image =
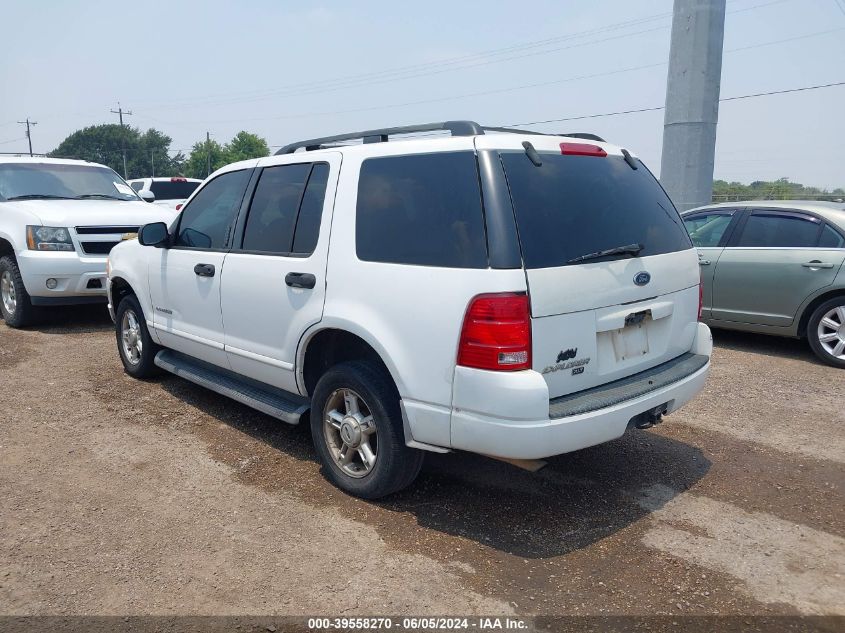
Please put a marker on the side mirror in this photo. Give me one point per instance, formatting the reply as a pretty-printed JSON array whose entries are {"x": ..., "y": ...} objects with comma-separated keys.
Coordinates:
[
  {"x": 147, "y": 195},
  {"x": 153, "y": 234}
]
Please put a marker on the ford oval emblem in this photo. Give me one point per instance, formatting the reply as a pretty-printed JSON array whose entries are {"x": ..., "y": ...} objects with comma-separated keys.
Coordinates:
[{"x": 642, "y": 278}]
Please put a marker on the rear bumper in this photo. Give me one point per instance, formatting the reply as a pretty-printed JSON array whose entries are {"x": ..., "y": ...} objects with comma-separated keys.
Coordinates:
[
  {"x": 73, "y": 275},
  {"x": 566, "y": 424}
]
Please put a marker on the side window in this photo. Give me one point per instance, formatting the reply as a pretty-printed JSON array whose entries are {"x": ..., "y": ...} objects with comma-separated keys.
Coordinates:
[
  {"x": 137, "y": 186},
  {"x": 311, "y": 211},
  {"x": 707, "y": 229},
  {"x": 205, "y": 221},
  {"x": 831, "y": 239},
  {"x": 422, "y": 209},
  {"x": 272, "y": 213},
  {"x": 775, "y": 230}
]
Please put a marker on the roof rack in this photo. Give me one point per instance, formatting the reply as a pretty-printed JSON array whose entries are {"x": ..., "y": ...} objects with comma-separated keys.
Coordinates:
[
  {"x": 456, "y": 128},
  {"x": 381, "y": 135}
]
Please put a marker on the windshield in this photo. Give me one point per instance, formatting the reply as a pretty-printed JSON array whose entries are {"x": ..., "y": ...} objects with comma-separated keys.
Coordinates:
[
  {"x": 50, "y": 180},
  {"x": 573, "y": 206},
  {"x": 173, "y": 189}
]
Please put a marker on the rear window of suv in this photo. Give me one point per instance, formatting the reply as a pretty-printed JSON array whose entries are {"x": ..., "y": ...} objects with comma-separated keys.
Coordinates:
[
  {"x": 421, "y": 209},
  {"x": 571, "y": 206},
  {"x": 173, "y": 190}
]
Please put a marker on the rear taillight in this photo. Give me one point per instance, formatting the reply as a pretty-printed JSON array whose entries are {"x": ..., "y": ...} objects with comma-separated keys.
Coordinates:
[
  {"x": 581, "y": 149},
  {"x": 179, "y": 207},
  {"x": 700, "y": 297},
  {"x": 496, "y": 333}
]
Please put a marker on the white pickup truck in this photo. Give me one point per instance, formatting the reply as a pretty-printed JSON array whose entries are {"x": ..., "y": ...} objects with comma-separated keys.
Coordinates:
[
  {"x": 518, "y": 295},
  {"x": 58, "y": 221}
]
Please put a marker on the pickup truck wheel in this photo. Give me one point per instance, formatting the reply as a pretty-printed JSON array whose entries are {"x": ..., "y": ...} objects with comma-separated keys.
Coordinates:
[
  {"x": 136, "y": 348},
  {"x": 15, "y": 305},
  {"x": 357, "y": 429},
  {"x": 826, "y": 332}
]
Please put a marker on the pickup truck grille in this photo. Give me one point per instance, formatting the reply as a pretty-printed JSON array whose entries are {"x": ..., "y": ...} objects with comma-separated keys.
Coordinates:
[{"x": 102, "y": 247}]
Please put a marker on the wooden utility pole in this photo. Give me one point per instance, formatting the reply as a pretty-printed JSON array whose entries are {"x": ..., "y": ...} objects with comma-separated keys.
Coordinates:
[
  {"x": 120, "y": 112},
  {"x": 28, "y": 133}
]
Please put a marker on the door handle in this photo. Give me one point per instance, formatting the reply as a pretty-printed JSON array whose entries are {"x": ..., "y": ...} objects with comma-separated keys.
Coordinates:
[
  {"x": 204, "y": 270},
  {"x": 300, "y": 280},
  {"x": 703, "y": 262},
  {"x": 817, "y": 264}
]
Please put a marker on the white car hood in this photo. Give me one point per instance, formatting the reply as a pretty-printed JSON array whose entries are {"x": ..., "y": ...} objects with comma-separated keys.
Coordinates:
[{"x": 95, "y": 212}]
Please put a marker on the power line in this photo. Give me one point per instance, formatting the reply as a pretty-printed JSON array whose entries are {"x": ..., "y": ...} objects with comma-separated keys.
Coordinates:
[{"x": 736, "y": 98}]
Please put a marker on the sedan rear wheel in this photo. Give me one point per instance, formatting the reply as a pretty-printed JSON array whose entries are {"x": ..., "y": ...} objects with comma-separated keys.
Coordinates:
[{"x": 826, "y": 332}]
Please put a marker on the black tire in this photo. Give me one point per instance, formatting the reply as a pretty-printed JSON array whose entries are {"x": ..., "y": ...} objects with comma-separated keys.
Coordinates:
[
  {"x": 395, "y": 465},
  {"x": 23, "y": 313},
  {"x": 813, "y": 330},
  {"x": 143, "y": 366}
]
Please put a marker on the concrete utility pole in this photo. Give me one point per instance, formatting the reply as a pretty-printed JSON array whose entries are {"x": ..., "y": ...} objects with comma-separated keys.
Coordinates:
[
  {"x": 28, "y": 134},
  {"x": 120, "y": 112},
  {"x": 692, "y": 101}
]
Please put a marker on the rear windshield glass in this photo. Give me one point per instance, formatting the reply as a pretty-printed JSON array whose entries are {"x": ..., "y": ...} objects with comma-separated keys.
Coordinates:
[
  {"x": 576, "y": 205},
  {"x": 173, "y": 190}
]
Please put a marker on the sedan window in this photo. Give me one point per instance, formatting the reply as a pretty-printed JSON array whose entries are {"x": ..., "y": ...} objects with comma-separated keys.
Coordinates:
[
  {"x": 775, "y": 230},
  {"x": 707, "y": 229}
]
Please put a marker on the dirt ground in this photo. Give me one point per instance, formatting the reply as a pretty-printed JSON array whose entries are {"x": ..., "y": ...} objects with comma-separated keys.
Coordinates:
[{"x": 127, "y": 497}]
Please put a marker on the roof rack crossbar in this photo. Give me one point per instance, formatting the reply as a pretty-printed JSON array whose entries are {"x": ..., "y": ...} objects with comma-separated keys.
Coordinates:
[{"x": 456, "y": 128}]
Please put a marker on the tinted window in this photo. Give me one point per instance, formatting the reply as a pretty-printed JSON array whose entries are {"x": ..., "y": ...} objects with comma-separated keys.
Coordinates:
[
  {"x": 831, "y": 239},
  {"x": 138, "y": 185},
  {"x": 205, "y": 221},
  {"x": 707, "y": 229},
  {"x": 779, "y": 231},
  {"x": 421, "y": 209},
  {"x": 173, "y": 190},
  {"x": 311, "y": 210},
  {"x": 272, "y": 214},
  {"x": 575, "y": 205}
]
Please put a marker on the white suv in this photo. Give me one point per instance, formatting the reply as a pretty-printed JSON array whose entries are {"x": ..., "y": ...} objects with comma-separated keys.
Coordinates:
[
  {"x": 515, "y": 295},
  {"x": 58, "y": 221},
  {"x": 168, "y": 192}
]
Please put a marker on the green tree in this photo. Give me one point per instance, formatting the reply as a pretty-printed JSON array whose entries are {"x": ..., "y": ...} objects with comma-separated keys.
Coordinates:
[
  {"x": 196, "y": 166},
  {"x": 246, "y": 145},
  {"x": 105, "y": 144},
  {"x": 243, "y": 146}
]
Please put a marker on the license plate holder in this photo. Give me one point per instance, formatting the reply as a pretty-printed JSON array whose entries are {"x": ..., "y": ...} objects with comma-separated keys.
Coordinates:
[{"x": 631, "y": 341}]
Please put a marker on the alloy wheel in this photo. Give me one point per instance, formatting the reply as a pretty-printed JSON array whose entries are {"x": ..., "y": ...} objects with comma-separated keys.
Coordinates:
[
  {"x": 350, "y": 433},
  {"x": 831, "y": 332},
  {"x": 7, "y": 292},
  {"x": 130, "y": 336}
]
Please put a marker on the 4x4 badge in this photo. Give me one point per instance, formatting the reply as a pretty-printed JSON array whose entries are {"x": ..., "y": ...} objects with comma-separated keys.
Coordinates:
[
  {"x": 566, "y": 355},
  {"x": 642, "y": 278}
]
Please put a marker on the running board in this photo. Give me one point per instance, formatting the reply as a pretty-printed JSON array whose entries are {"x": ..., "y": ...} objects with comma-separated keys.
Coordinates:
[{"x": 277, "y": 403}]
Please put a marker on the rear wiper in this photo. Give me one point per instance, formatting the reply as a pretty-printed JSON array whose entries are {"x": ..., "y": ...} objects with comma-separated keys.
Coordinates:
[
  {"x": 104, "y": 196},
  {"x": 39, "y": 196},
  {"x": 630, "y": 249}
]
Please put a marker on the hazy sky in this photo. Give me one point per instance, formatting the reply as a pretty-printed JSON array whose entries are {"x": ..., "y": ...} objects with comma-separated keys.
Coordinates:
[{"x": 292, "y": 70}]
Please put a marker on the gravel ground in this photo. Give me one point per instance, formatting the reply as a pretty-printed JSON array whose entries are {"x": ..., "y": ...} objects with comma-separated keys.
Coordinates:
[{"x": 122, "y": 497}]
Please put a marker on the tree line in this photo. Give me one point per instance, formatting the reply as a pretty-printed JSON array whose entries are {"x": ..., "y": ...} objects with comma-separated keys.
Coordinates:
[
  {"x": 780, "y": 189},
  {"x": 149, "y": 154}
]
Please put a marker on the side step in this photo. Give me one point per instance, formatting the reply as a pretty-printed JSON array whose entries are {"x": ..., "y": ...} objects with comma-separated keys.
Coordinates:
[{"x": 277, "y": 403}]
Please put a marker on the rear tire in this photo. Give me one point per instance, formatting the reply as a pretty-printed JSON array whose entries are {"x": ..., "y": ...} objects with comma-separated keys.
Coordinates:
[
  {"x": 134, "y": 344},
  {"x": 356, "y": 425},
  {"x": 15, "y": 304},
  {"x": 826, "y": 332}
]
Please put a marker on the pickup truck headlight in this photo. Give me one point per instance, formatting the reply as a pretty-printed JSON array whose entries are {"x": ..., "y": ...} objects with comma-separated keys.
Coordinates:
[{"x": 48, "y": 238}]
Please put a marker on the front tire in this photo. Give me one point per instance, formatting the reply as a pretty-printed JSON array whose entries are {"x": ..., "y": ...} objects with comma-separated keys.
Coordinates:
[
  {"x": 15, "y": 304},
  {"x": 356, "y": 425},
  {"x": 826, "y": 332},
  {"x": 134, "y": 344}
]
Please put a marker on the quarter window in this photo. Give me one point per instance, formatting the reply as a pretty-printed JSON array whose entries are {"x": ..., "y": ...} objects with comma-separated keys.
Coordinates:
[
  {"x": 831, "y": 239},
  {"x": 775, "y": 230},
  {"x": 206, "y": 220},
  {"x": 422, "y": 209},
  {"x": 707, "y": 229}
]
